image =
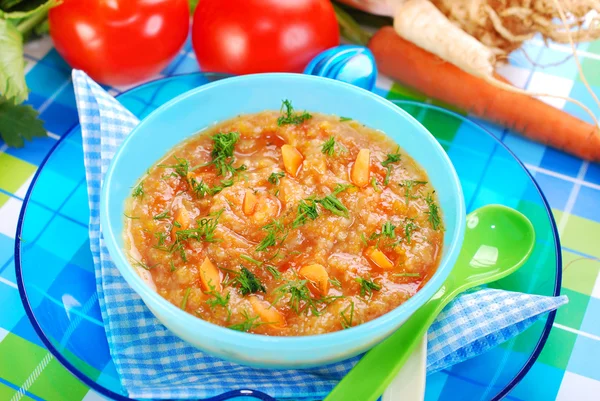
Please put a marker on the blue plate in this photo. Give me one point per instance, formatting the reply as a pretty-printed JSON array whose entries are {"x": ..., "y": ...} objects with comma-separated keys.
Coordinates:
[{"x": 56, "y": 281}]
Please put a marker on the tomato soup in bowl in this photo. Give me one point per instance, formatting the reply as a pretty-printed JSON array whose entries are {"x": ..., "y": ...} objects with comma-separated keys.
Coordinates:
[{"x": 282, "y": 237}]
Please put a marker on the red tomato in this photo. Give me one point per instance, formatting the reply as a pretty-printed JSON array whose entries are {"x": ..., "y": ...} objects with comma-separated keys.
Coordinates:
[
  {"x": 250, "y": 36},
  {"x": 119, "y": 42}
]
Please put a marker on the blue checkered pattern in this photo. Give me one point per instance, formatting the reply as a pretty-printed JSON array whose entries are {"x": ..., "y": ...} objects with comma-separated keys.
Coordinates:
[{"x": 153, "y": 363}]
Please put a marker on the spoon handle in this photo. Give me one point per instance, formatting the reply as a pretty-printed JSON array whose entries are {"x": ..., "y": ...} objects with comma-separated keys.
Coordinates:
[{"x": 378, "y": 367}]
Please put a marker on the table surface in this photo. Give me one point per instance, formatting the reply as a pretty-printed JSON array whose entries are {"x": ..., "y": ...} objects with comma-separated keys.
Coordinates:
[{"x": 569, "y": 365}]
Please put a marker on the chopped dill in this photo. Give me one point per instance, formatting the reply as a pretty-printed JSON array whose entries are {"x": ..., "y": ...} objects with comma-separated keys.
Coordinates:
[
  {"x": 347, "y": 320},
  {"x": 161, "y": 238},
  {"x": 275, "y": 177},
  {"x": 387, "y": 163},
  {"x": 185, "y": 298},
  {"x": 251, "y": 260},
  {"x": 248, "y": 324},
  {"x": 367, "y": 286},
  {"x": 363, "y": 239},
  {"x": 141, "y": 264},
  {"x": 307, "y": 209},
  {"x": 342, "y": 119},
  {"x": 182, "y": 167},
  {"x": 172, "y": 266},
  {"x": 406, "y": 275},
  {"x": 300, "y": 297},
  {"x": 138, "y": 191},
  {"x": 375, "y": 185},
  {"x": 218, "y": 298},
  {"x": 409, "y": 228},
  {"x": 328, "y": 147},
  {"x": 276, "y": 233},
  {"x": 274, "y": 272},
  {"x": 162, "y": 216},
  {"x": 247, "y": 282},
  {"x": 199, "y": 187},
  {"x": 222, "y": 153},
  {"x": 131, "y": 217},
  {"x": 408, "y": 188},
  {"x": 387, "y": 230},
  {"x": 335, "y": 282},
  {"x": 332, "y": 203},
  {"x": 433, "y": 212},
  {"x": 289, "y": 117}
]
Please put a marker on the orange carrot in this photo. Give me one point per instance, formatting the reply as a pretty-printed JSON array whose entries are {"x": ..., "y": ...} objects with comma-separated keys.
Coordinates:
[{"x": 425, "y": 72}]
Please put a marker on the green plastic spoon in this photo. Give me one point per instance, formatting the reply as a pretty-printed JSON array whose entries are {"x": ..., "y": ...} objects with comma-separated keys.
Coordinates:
[{"x": 498, "y": 240}]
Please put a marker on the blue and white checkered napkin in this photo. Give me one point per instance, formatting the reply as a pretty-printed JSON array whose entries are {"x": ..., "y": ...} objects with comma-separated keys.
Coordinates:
[{"x": 153, "y": 363}]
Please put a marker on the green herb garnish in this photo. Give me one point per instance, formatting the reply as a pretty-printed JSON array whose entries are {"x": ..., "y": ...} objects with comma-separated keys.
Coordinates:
[
  {"x": 408, "y": 229},
  {"x": 222, "y": 153},
  {"x": 162, "y": 216},
  {"x": 199, "y": 188},
  {"x": 433, "y": 212},
  {"x": 275, "y": 177},
  {"x": 342, "y": 119},
  {"x": 251, "y": 260},
  {"x": 161, "y": 237},
  {"x": 247, "y": 282},
  {"x": 138, "y": 191},
  {"x": 347, "y": 320},
  {"x": 335, "y": 282},
  {"x": 289, "y": 117},
  {"x": 367, "y": 286},
  {"x": 141, "y": 264},
  {"x": 300, "y": 297},
  {"x": 182, "y": 167},
  {"x": 375, "y": 185},
  {"x": 328, "y": 147},
  {"x": 408, "y": 187},
  {"x": 276, "y": 233},
  {"x": 391, "y": 158},
  {"x": 274, "y": 272},
  {"x": 363, "y": 239},
  {"x": 406, "y": 275},
  {"x": 218, "y": 299},
  {"x": 185, "y": 298},
  {"x": 130, "y": 217},
  {"x": 387, "y": 230},
  {"x": 248, "y": 324},
  {"x": 172, "y": 265},
  {"x": 307, "y": 209},
  {"x": 332, "y": 203}
]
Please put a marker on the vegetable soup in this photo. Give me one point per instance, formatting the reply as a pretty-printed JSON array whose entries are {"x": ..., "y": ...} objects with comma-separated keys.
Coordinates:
[{"x": 285, "y": 223}]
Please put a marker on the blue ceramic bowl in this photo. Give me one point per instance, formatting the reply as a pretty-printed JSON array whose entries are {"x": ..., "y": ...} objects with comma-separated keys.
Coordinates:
[{"x": 198, "y": 109}]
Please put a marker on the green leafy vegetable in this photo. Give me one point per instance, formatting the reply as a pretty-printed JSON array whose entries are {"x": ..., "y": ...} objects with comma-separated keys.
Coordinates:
[
  {"x": 12, "y": 64},
  {"x": 289, "y": 117},
  {"x": 18, "y": 122}
]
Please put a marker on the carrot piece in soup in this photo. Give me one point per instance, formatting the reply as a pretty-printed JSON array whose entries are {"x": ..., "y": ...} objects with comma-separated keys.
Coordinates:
[
  {"x": 210, "y": 277},
  {"x": 359, "y": 174},
  {"x": 292, "y": 159}
]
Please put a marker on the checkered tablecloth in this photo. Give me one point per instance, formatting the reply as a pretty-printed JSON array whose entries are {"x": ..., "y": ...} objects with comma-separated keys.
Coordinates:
[{"x": 568, "y": 367}]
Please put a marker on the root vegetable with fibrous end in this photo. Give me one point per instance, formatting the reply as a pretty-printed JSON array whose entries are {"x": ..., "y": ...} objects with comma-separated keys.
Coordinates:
[{"x": 436, "y": 78}]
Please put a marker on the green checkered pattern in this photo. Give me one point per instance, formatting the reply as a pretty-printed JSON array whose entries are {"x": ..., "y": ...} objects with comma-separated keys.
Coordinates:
[{"x": 569, "y": 365}]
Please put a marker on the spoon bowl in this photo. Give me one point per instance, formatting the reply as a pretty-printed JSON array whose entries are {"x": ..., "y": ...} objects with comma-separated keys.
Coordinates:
[
  {"x": 498, "y": 240},
  {"x": 347, "y": 63}
]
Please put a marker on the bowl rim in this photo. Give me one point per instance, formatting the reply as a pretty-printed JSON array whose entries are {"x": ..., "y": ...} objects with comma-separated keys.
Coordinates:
[
  {"x": 533, "y": 356},
  {"x": 225, "y": 335}
]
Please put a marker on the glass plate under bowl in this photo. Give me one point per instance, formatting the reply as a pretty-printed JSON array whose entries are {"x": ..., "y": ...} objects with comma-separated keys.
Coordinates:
[{"x": 55, "y": 273}]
